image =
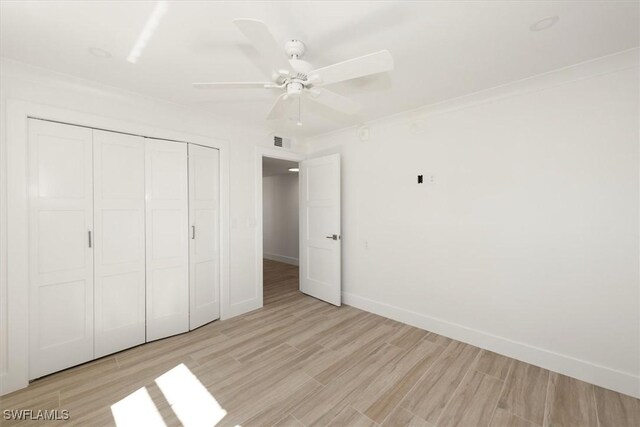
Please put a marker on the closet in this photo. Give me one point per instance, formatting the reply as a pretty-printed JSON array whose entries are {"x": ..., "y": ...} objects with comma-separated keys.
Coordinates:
[{"x": 123, "y": 242}]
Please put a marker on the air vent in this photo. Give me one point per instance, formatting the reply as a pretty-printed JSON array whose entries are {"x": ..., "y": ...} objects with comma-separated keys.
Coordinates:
[{"x": 281, "y": 141}]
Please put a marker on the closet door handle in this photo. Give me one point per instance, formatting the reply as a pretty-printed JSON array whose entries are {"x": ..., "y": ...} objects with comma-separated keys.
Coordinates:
[
  {"x": 90, "y": 243},
  {"x": 193, "y": 232}
]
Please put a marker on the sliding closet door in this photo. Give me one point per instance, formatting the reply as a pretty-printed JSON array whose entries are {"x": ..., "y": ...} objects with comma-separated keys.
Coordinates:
[
  {"x": 61, "y": 259},
  {"x": 167, "y": 224},
  {"x": 204, "y": 245},
  {"x": 119, "y": 241}
]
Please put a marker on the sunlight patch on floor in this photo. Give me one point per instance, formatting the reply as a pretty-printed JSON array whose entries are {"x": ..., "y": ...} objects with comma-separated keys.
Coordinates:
[
  {"x": 137, "y": 409},
  {"x": 189, "y": 399}
]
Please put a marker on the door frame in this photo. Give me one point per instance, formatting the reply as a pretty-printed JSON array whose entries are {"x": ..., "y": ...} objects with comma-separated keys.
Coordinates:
[
  {"x": 16, "y": 357},
  {"x": 273, "y": 153}
]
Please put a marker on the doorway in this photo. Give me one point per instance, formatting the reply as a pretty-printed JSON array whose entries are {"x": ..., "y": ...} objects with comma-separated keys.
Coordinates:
[{"x": 280, "y": 229}]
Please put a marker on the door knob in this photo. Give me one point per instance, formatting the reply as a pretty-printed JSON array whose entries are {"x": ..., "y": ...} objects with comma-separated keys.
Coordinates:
[{"x": 333, "y": 237}]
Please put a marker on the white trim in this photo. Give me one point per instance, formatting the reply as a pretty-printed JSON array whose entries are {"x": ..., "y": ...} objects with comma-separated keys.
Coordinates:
[
  {"x": 17, "y": 236},
  {"x": 281, "y": 258},
  {"x": 274, "y": 153},
  {"x": 622, "y": 382}
]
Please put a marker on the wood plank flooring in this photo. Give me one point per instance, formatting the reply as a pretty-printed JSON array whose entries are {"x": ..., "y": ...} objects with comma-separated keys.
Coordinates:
[{"x": 300, "y": 362}]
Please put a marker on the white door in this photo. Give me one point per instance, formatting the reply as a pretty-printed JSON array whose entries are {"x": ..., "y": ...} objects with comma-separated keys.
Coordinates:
[
  {"x": 204, "y": 243},
  {"x": 320, "y": 228},
  {"x": 167, "y": 249},
  {"x": 119, "y": 241},
  {"x": 61, "y": 257}
]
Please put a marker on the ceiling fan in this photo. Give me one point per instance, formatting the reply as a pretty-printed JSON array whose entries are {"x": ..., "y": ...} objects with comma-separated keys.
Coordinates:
[{"x": 299, "y": 79}]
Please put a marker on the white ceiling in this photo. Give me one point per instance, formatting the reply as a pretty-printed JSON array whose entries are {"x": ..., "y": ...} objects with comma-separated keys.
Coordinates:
[
  {"x": 442, "y": 50},
  {"x": 271, "y": 167}
]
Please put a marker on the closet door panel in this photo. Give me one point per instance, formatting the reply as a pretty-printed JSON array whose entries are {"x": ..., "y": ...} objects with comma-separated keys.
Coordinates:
[
  {"x": 61, "y": 259},
  {"x": 204, "y": 245},
  {"x": 167, "y": 250},
  {"x": 119, "y": 191}
]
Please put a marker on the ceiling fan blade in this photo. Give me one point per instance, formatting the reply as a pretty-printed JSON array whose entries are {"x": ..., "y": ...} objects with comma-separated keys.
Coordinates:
[
  {"x": 333, "y": 100},
  {"x": 279, "y": 108},
  {"x": 373, "y": 63},
  {"x": 259, "y": 35},
  {"x": 234, "y": 85}
]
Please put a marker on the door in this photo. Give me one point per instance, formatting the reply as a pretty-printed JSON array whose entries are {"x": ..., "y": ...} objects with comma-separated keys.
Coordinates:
[
  {"x": 320, "y": 228},
  {"x": 204, "y": 242},
  {"x": 167, "y": 248},
  {"x": 60, "y": 247},
  {"x": 119, "y": 254}
]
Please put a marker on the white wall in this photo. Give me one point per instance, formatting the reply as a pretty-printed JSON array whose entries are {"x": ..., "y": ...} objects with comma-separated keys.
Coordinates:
[
  {"x": 280, "y": 218},
  {"x": 527, "y": 241},
  {"x": 34, "y": 85}
]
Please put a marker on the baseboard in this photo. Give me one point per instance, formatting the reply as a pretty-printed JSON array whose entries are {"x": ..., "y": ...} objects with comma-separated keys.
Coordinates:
[
  {"x": 281, "y": 258},
  {"x": 600, "y": 375}
]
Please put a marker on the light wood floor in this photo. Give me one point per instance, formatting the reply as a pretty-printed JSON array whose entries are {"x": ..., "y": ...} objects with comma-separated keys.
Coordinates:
[{"x": 299, "y": 361}]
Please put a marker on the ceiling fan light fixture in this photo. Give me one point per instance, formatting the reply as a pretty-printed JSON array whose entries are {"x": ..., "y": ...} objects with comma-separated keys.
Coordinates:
[{"x": 294, "y": 88}]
